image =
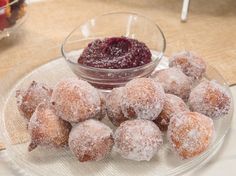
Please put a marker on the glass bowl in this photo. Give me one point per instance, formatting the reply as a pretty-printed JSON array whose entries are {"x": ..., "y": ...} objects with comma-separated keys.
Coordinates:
[
  {"x": 12, "y": 15},
  {"x": 119, "y": 24},
  {"x": 49, "y": 67}
]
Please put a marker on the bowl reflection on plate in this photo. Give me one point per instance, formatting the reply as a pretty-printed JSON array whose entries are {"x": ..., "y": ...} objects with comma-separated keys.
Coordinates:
[{"x": 113, "y": 25}]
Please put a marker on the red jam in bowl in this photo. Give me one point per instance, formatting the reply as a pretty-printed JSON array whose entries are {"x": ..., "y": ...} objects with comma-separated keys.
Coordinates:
[{"x": 115, "y": 53}]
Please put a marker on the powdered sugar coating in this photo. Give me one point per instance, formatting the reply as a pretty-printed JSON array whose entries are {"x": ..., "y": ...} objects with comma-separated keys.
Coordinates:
[
  {"x": 114, "y": 111},
  {"x": 174, "y": 81},
  {"x": 142, "y": 98},
  {"x": 29, "y": 99},
  {"x": 191, "y": 64},
  {"x": 190, "y": 133},
  {"x": 76, "y": 100},
  {"x": 210, "y": 98},
  {"x": 172, "y": 106},
  {"x": 47, "y": 129},
  {"x": 90, "y": 140},
  {"x": 138, "y": 139}
]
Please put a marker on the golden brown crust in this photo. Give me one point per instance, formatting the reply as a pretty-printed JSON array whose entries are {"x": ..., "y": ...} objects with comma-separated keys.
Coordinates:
[
  {"x": 90, "y": 140},
  {"x": 47, "y": 129},
  {"x": 190, "y": 133},
  {"x": 172, "y": 106},
  {"x": 29, "y": 99}
]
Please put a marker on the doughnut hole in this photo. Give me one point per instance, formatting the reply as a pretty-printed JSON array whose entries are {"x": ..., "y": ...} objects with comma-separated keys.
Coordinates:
[
  {"x": 91, "y": 140},
  {"x": 210, "y": 98},
  {"x": 47, "y": 129},
  {"x": 172, "y": 106},
  {"x": 191, "y": 64},
  {"x": 142, "y": 98},
  {"x": 174, "y": 81},
  {"x": 138, "y": 139},
  {"x": 76, "y": 100},
  {"x": 29, "y": 99},
  {"x": 190, "y": 134},
  {"x": 114, "y": 111}
]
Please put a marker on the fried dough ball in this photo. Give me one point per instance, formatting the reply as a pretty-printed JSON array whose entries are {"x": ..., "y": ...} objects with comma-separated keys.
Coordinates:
[
  {"x": 210, "y": 98},
  {"x": 190, "y": 134},
  {"x": 47, "y": 129},
  {"x": 114, "y": 111},
  {"x": 29, "y": 99},
  {"x": 191, "y": 64},
  {"x": 174, "y": 81},
  {"x": 172, "y": 106},
  {"x": 137, "y": 139},
  {"x": 91, "y": 140},
  {"x": 142, "y": 98},
  {"x": 76, "y": 100}
]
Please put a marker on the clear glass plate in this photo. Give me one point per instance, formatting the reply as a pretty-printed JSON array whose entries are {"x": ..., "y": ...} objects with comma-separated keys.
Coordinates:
[{"x": 44, "y": 161}]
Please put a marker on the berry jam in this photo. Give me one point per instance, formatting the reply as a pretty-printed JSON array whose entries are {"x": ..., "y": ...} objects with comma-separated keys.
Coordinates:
[{"x": 115, "y": 53}]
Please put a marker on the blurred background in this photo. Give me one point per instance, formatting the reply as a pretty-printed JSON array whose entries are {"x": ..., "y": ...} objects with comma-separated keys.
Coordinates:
[{"x": 210, "y": 29}]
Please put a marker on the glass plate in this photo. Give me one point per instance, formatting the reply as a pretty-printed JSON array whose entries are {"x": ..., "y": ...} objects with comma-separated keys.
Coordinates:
[{"x": 45, "y": 162}]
